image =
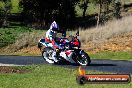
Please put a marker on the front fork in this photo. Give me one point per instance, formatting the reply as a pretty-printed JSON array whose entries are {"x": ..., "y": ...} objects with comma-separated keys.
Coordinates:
[
  {"x": 57, "y": 53},
  {"x": 81, "y": 51},
  {"x": 78, "y": 53}
]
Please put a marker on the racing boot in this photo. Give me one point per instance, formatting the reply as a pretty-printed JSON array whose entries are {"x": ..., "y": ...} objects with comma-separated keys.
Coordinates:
[{"x": 49, "y": 61}]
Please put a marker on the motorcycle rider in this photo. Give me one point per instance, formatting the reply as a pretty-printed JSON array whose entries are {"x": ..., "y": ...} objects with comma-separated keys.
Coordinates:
[{"x": 51, "y": 38}]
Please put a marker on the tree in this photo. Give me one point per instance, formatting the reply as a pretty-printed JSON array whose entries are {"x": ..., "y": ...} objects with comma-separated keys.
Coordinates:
[
  {"x": 67, "y": 13},
  {"x": 38, "y": 10},
  {"x": 83, "y": 5},
  {"x": 44, "y": 10},
  {"x": 103, "y": 12},
  {"x": 5, "y": 10},
  {"x": 117, "y": 7}
]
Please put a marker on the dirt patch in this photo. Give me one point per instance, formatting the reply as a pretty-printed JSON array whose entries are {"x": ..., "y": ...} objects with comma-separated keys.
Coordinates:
[
  {"x": 6, "y": 69},
  {"x": 122, "y": 42},
  {"x": 34, "y": 50}
]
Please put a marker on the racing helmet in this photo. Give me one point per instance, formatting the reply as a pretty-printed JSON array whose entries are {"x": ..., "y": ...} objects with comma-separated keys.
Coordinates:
[{"x": 54, "y": 26}]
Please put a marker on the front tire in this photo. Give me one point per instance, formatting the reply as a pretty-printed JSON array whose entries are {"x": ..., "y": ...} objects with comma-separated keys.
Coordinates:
[
  {"x": 47, "y": 54},
  {"x": 83, "y": 59}
]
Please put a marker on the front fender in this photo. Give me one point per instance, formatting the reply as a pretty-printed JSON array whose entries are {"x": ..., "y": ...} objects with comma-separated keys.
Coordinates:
[
  {"x": 79, "y": 51},
  {"x": 40, "y": 43}
]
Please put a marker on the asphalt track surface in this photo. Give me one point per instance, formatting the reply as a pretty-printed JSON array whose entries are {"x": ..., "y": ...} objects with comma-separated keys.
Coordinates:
[{"x": 114, "y": 66}]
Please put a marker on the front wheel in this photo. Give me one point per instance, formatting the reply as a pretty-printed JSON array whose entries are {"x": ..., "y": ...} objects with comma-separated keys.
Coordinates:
[
  {"x": 83, "y": 59},
  {"x": 47, "y": 54}
]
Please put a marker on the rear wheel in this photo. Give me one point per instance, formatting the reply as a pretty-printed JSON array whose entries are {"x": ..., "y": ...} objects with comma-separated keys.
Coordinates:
[{"x": 83, "y": 59}]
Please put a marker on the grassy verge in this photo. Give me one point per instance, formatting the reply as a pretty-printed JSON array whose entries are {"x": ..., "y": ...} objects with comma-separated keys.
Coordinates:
[
  {"x": 47, "y": 76},
  {"x": 113, "y": 55},
  {"x": 9, "y": 35}
]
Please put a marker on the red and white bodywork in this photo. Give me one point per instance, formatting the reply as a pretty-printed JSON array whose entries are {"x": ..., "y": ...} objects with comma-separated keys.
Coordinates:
[{"x": 71, "y": 52}]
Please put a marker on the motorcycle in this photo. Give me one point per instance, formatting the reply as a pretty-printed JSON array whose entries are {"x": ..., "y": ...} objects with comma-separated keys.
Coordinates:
[{"x": 71, "y": 52}]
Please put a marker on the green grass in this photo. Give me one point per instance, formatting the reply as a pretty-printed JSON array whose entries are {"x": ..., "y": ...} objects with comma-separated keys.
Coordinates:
[
  {"x": 122, "y": 55},
  {"x": 9, "y": 35},
  {"x": 47, "y": 76}
]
